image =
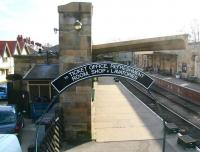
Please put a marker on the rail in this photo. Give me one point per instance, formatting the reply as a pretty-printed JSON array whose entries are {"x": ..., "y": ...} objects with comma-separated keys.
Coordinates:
[{"x": 165, "y": 112}]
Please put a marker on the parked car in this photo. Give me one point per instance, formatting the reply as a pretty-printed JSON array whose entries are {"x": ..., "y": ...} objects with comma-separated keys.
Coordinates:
[
  {"x": 3, "y": 96},
  {"x": 11, "y": 121},
  {"x": 9, "y": 143},
  {"x": 3, "y": 93}
]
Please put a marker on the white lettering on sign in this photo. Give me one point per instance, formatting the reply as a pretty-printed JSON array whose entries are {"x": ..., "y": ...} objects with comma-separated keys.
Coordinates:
[
  {"x": 78, "y": 73},
  {"x": 126, "y": 71},
  {"x": 101, "y": 69},
  {"x": 98, "y": 71},
  {"x": 79, "y": 76},
  {"x": 98, "y": 66}
]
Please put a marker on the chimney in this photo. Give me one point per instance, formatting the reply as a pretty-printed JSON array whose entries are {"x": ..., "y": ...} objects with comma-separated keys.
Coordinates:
[
  {"x": 19, "y": 38},
  {"x": 29, "y": 40}
]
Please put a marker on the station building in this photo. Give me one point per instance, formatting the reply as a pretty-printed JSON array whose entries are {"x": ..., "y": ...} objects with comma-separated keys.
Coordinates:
[
  {"x": 184, "y": 63},
  {"x": 75, "y": 48}
]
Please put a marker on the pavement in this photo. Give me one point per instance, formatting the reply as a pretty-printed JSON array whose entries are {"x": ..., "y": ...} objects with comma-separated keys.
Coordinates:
[
  {"x": 28, "y": 135},
  {"x": 122, "y": 123}
]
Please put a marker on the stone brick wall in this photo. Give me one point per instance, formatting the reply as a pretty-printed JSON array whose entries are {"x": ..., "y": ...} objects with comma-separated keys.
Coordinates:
[
  {"x": 75, "y": 49},
  {"x": 188, "y": 57},
  {"x": 24, "y": 63},
  {"x": 176, "y": 59}
]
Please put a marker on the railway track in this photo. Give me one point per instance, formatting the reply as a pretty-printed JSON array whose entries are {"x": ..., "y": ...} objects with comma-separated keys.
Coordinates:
[
  {"x": 189, "y": 106},
  {"x": 160, "y": 101}
]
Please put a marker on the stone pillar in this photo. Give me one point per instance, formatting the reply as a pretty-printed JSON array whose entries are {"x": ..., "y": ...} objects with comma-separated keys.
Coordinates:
[{"x": 75, "y": 49}]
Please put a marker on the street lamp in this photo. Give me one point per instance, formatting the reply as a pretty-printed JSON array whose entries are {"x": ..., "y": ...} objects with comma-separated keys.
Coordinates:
[{"x": 77, "y": 26}]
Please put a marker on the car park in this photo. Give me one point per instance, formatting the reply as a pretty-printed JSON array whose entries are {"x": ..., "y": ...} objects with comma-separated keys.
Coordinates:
[{"x": 11, "y": 121}]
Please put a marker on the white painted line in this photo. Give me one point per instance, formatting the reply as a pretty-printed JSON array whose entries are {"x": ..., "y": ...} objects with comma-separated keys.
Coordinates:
[{"x": 142, "y": 103}]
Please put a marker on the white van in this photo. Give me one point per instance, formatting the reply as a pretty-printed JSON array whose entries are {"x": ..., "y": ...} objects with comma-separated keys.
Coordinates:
[{"x": 9, "y": 143}]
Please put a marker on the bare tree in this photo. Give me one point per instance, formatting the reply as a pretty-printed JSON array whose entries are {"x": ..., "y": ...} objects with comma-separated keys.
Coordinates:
[{"x": 194, "y": 36}]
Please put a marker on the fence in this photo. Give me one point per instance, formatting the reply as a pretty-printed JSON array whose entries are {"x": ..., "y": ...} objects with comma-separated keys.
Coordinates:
[
  {"x": 50, "y": 132},
  {"x": 53, "y": 136}
]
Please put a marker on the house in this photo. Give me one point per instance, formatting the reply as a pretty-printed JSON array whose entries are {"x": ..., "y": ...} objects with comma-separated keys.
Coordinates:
[
  {"x": 5, "y": 61},
  {"x": 38, "y": 70},
  {"x": 23, "y": 43},
  {"x": 10, "y": 49},
  {"x": 38, "y": 80}
]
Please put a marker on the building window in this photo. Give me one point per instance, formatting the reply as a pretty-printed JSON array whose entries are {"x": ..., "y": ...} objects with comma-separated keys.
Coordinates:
[
  {"x": 5, "y": 59},
  {"x": 34, "y": 92},
  {"x": 184, "y": 67},
  {"x": 44, "y": 91},
  {"x": 39, "y": 92},
  {"x": 6, "y": 71},
  {"x": 2, "y": 72}
]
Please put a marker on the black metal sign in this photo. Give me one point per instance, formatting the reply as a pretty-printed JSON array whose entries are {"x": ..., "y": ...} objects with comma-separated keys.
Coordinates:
[{"x": 100, "y": 69}]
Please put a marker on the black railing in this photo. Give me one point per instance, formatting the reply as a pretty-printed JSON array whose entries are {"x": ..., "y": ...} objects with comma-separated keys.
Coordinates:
[
  {"x": 49, "y": 130},
  {"x": 52, "y": 139}
]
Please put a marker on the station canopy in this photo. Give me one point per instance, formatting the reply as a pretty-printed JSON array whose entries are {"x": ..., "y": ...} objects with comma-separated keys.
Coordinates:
[{"x": 175, "y": 42}]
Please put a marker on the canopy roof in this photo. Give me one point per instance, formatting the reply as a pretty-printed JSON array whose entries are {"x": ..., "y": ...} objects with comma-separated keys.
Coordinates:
[
  {"x": 176, "y": 42},
  {"x": 43, "y": 72}
]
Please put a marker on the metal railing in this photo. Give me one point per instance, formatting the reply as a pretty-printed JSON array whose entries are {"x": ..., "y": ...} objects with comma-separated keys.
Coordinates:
[
  {"x": 53, "y": 135},
  {"x": 49, "y": 130}
]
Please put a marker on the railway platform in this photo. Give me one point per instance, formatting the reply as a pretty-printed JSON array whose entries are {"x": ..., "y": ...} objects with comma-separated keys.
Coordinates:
[
  {"x": 121, "y": 122},
  {"x": 185, "y": 89},
  {"x": 180, "y": 82}
]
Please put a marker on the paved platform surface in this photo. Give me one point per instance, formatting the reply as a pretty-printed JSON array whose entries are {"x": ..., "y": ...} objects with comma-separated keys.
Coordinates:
[
  {"x": 180, "y": 82},
  {"x": 121, "y": 123},
  {"x": 120, "y": 116}
]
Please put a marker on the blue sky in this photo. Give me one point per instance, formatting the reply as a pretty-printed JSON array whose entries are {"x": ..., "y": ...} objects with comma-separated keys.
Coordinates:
[{"x": 113, "y": 20}]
